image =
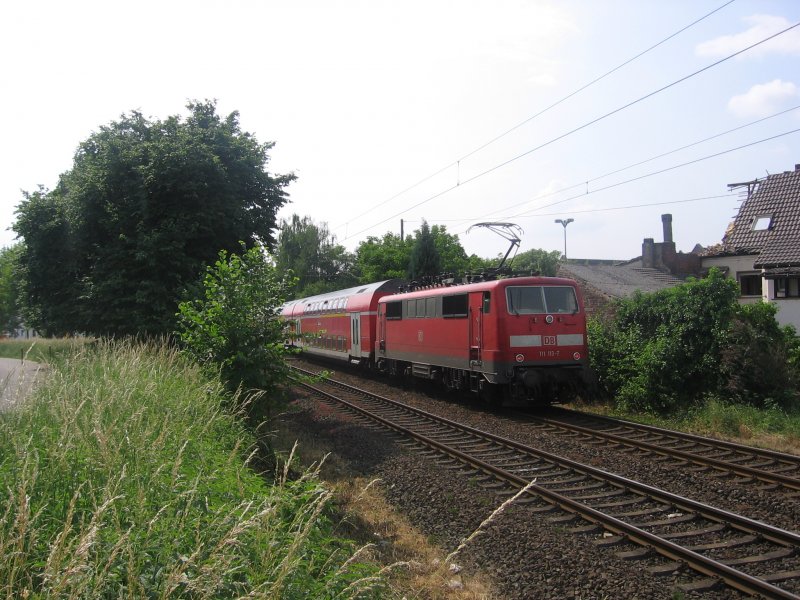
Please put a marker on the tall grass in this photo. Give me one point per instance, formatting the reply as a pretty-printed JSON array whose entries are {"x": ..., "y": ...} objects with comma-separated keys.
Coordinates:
[{"x": 123, "y": 477}]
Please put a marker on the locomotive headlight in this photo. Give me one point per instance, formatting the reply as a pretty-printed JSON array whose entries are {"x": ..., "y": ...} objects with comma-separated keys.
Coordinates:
[
  {"x": 519, "y": 357},
  {"x": 548, "y": 319},
  {"x": 577, "y": 356}
]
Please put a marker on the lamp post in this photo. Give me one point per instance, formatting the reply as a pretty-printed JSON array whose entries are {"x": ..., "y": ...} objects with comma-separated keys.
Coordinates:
[{"x": 564, "y": 223}]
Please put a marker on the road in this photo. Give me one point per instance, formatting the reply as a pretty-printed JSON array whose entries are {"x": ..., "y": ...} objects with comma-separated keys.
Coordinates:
[{"x": 16, "y": 379}]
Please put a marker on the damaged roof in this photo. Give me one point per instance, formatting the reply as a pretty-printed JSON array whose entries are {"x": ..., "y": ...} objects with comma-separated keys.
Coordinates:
[{"x": 768, "y": 223}]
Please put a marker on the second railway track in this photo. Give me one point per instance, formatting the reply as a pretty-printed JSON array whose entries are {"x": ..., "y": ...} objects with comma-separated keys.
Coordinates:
[
  {"x": 772, "y": 470},
  {"x": 742, "y": 553}
]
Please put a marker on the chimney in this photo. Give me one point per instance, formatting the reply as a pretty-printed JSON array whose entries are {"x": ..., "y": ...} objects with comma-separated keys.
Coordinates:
[
  {"x": 666, "y": 221},
  {"x": 797, "y": 167},
  {"x": 648, "y": 253}
]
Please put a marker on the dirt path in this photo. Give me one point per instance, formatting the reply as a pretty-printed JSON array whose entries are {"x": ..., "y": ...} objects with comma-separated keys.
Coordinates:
[{"x": 16, "y": 380}]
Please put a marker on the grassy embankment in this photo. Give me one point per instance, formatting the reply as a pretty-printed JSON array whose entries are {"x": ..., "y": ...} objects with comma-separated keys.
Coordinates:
[
  {"x": 768, "y": 428},
  {"x": 124, "y": 476}
]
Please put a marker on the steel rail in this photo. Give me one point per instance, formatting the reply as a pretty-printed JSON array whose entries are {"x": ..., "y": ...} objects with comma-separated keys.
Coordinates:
[
  {"x": 791, "y": 483},
  {"x": 791, "y": 459},
  {"x": 702, "y": 564}
]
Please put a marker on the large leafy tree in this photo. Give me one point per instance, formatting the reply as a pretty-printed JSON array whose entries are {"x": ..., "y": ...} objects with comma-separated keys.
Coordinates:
[
  {"x": 49, "y": 284},
  {"x": 425, "y": 258},
  {"x": 9, "y": 309},
  {"x": 310, "y": 251},
  {"x": 536, "y": 260},
  {"x": 383, "y": 258},
  {"x": 146, "y": 206},
  {"x": 452, "y": 257}
]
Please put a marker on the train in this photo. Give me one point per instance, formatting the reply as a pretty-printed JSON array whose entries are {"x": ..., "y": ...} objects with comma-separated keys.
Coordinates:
[{"x": 512, "y": 341}]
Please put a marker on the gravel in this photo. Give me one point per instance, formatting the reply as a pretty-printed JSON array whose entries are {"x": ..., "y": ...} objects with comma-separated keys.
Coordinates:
[{"x": 526, "y": 552}]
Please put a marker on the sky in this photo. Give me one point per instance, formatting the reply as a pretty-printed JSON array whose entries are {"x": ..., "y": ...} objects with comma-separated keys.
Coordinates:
[{"x": 607, "y": 112}]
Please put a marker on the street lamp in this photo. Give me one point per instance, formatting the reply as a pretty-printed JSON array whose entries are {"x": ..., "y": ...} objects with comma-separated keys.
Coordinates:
[{"x": 564, "y": 223}]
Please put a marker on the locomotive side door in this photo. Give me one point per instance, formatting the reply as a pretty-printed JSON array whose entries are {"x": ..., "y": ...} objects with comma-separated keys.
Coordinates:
[
  {"x": 475, "y": 328},
  {"x": 355, "y": 334}
]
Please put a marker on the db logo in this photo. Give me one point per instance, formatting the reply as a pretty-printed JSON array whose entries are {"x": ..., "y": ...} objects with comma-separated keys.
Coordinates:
[{"x": 549, "y": 340}]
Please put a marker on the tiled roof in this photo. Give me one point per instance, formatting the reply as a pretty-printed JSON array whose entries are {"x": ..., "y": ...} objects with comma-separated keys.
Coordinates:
[{"x": 776, "y": 197}]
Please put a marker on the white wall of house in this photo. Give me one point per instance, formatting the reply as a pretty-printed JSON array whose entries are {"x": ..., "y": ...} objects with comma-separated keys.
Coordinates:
[
  {"x": 788, "y": 308},
  {"x": 742, "y": 266}
]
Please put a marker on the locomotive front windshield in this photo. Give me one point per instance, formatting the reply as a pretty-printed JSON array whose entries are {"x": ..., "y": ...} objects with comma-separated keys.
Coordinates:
[{"x": 538, "y": 299}]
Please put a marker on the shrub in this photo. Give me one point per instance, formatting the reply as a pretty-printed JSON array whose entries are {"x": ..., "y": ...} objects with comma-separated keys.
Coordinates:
[
  {"x": 234, "y": 329},
  {"x": 664, "y": 351},
  {"x": 755, "y": 363}
]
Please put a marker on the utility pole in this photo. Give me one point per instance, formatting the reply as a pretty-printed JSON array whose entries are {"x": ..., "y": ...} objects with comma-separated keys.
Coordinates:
[
  {"x": 402, "y": 237},
  {"x": 564, "y": 223}
]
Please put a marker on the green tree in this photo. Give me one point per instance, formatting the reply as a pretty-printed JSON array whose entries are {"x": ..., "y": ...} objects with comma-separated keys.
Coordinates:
[
  {"x": 233, "y": 328},
  {"x": 49, "y": 283},
  {"x": 9, "y": 309},
  {"x": 146, "y": 206},
  {"x": 383, "y": 258},
  {"x": 310, "y": 251},
  {"x": 451, "y": 253},
  {"x": 425, "y": 259},
  {"x": 537, "y": 260}
]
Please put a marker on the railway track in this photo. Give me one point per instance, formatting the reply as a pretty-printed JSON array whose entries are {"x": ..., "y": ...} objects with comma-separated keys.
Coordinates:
[
  {"x": 767, "y": 468},
  {"x": 723, "y": 547}
]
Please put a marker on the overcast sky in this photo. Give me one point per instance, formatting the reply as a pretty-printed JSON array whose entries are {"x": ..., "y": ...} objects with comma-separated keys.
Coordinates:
[{"x": 390, "y": 110}]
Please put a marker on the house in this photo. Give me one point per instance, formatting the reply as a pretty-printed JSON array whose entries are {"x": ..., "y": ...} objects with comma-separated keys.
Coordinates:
[{"x": 761, "y": 248}]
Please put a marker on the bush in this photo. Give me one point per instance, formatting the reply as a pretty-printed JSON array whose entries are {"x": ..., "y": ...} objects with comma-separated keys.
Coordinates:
[
  {"x": 234, "y": 329},
  {"x": 664, "y": 351},
  {"x": 755, "y": 363}
]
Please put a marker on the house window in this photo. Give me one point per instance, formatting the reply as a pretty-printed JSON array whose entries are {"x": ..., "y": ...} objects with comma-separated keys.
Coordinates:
[
  {"x": 750, "y": 284},
  {"x": 762, "y": 223},
  {"x": 787, "y": 287}
]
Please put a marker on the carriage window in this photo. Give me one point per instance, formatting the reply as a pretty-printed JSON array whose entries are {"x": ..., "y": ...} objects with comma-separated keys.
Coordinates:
[
  {"x": 454, "y": 306},
  {"x": 487, "y": 302},
  {"x": 430, "y": 307},
  {"x": 394, "y": 310}
]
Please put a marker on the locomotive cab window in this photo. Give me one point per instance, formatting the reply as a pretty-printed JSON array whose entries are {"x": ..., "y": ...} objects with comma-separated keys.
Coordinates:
[{"x": 538, "y": 300}]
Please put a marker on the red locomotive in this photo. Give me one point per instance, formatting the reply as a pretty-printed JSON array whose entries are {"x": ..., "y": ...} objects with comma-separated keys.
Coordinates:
[{"x": 516, "y": 340}]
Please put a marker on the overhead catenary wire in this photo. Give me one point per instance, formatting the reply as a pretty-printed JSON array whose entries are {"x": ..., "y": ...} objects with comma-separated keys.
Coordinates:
[
  {"x": 586, "y": 182},
  {"x": 457, "y": 162},
  {"x": 577, "y": 129},
  {"x": 529, "y": 213},
  {"x": 659, "y": 172},
  {"x": 609, "y": 208}
]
